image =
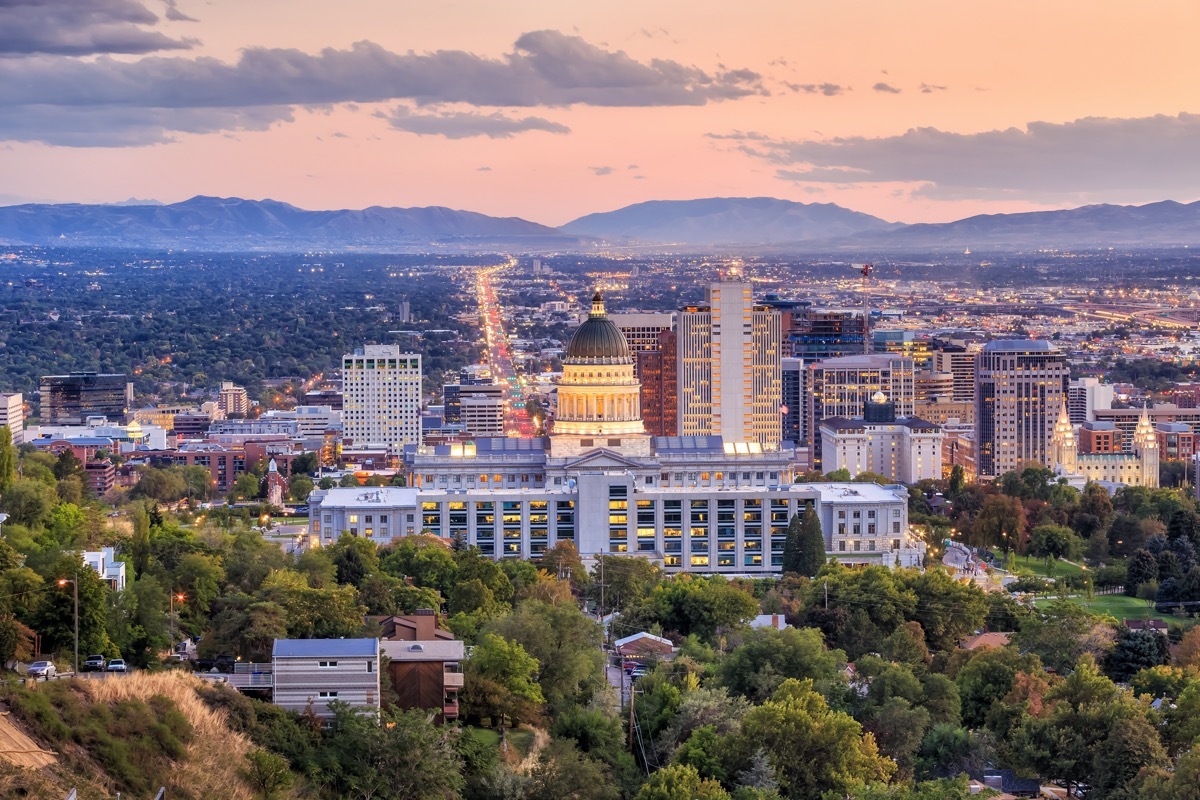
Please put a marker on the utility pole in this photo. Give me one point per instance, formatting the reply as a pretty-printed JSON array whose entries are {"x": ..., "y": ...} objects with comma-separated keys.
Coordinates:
[
  {"x": 631, "y": 695},
  {"x": 826, "y": 594},
  {"x": 75, "y": 585}
]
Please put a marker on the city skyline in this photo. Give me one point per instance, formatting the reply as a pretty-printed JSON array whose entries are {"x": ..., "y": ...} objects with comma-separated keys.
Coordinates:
[{"x": 926, "y": 112}]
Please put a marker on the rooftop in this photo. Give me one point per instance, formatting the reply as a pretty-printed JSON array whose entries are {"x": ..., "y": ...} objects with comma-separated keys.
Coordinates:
[{"x": 310, "y": 648}]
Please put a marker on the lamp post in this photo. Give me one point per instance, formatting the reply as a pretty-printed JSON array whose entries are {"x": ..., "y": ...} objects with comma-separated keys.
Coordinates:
[
  {"x": 180, "y": 596},
  {"x": 75, "y": 584}
]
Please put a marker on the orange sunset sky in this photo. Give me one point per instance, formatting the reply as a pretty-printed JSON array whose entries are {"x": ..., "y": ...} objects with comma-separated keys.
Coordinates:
[{"x": 550, "y": 109}]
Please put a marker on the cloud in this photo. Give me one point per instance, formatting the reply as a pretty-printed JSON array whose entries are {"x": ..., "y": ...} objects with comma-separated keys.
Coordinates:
[
  {"x": 1094, "y": 157},
  {"x": 827, "y": 89},
  {"x": 82, "y": 27},
  {"x": 545, "y": 68},
  {"x": 741, "y": 136},
  {"x": 483, "y": 169},
  {"x": 888, "y": 88},
  {"x": 466, "y": 124},
  {"x": 601, "y": 170},
  {"x": 930, "y": 88},
  {"x": 175, "y": 15},
  {"x": 131, "y": 127}
]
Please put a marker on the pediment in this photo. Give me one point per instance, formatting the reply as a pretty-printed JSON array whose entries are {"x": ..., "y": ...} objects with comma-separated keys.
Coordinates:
[{"x": 603, "y": 458}]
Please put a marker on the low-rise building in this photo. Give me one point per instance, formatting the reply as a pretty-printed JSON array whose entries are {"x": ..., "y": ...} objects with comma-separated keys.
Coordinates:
[
  {"x": 425, "y": 663},
  {"x": 906, "y": 450},
  {"x": 318, "y": 672},
  {"x": 104, "y": 563}
]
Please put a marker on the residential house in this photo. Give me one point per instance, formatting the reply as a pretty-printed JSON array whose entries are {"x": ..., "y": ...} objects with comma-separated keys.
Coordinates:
[
  {"x": 105, "y": 564},
  {"x": 321, "y": 671},
  {"x": 425, "y": 663},
  {"x": 644, "y": 647}
]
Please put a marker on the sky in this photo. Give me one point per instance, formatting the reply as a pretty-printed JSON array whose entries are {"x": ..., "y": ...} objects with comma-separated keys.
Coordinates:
[{"x": 915, "y": 111}]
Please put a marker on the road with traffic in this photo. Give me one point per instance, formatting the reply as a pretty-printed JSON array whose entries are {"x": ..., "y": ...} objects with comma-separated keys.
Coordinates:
[{"x": 499, "y": 355}]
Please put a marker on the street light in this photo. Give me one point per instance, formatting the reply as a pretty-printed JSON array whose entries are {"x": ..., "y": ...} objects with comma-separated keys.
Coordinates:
[
  {"x": 74, "y": 583},
  {"x": 180, "y": 596}
]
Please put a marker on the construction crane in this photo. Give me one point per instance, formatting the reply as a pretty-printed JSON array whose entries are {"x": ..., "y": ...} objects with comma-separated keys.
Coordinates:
[{"x": 865, "y": 271}]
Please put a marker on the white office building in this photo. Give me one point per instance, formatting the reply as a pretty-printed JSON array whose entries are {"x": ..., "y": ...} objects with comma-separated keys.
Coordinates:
[
  {"x": 905, "y": 450},
  {"x": 382, "y": 397},
  {"x": 12, "y": 415}
]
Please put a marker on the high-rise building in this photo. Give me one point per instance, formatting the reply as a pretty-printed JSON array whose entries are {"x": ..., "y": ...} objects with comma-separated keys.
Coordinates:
[
  {"x": 1085, "y": 396},
  {"x": 793, "y": 399},
  {"x": 929, "y": 386},
  {"x": 904, "y": 343},
  {"x": 71, "y": 399},
  {"x": 1020, "y": 385},
  {"x": 729, "y": 359},
  {"x": 825, "y": 333},
  {"x": 641, "y": 329},
  {"x": 479, "y": 408},
  {"x": 382, "y": 396},
  {"x": 12, "y": 415},
  {"x": 958, "y": 360},
  {"x": 660, "y": 386},
  {"x": 233, "y": 400},
  {"x": 841, "y": 387}
]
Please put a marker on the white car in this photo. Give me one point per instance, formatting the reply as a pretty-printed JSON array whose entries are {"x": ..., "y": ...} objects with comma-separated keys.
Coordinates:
[
  {"x": 117, "y": 665},
  {"x": 42, "y": 669}
]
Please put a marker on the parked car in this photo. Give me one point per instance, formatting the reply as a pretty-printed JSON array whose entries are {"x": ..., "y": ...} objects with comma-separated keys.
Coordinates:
[
  {"x": 42, "y": 669},
  {"x": 116, "y": 665},
  {"x": 94, "y": 663}
]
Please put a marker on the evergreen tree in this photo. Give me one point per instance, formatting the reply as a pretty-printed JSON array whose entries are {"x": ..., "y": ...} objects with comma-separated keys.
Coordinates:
[
  {"x": 804, "y": 549},
  {"x": 1143, "y": 568},
  {"x": 8, "y": 459}
]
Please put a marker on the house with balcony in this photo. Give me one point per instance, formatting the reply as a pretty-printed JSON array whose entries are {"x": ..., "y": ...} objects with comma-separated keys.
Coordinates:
[
  {"x": 321, "y": 671},
  {"x": 425, "y": 663}
]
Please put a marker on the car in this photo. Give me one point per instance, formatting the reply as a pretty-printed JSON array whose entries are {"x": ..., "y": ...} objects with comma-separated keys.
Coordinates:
[
  {"x": 116, "y": 665},
  {"x": 94, "y": 663},
  {"x": 42, "y": 669}
]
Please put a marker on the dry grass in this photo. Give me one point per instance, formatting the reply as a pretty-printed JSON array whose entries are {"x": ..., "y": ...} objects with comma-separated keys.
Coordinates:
[
  {"x": 539, "y": 741},
  {"x": 215, "y": 755}
]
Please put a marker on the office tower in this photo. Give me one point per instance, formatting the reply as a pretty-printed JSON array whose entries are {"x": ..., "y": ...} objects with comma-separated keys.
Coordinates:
[
  {"x": 793, "y": 399},
  {"x": 841, "y": 387},
  {"x": 382, "y": 396},
  {"x": 324, "y": 397},
  {"x": 928, "y": 386},
  {"x": 660, "y": 386},
  {"x": 729, "y": 367},
  {"x": 12, "y": 407},
  {"x": 826, "y": 333},
  {"x": 1020, "y": 385},
  {"x": 71, "y": 399},
  {"x": 958, "y": 360},
  {"x": 479, "y": 408},
  {"x": 641, "y": 329},
  {"x": 404, "y": 312},
  {"x": 904, "y": 343},
  {"x": 1085, "y": 396},
  {"x": 233, "y": 400}
]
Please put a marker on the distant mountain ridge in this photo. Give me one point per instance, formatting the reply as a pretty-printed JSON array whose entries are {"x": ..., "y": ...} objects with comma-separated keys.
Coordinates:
[
  {"x": 727, "y": 220},
  {"x": 710, "y": 223},
  {"x": 219, "y": 221}
]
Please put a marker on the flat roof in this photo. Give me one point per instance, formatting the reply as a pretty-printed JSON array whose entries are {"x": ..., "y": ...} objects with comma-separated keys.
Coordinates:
[
  {"x": 309, "y": 648},
  {"x": 356, "y": 496}
]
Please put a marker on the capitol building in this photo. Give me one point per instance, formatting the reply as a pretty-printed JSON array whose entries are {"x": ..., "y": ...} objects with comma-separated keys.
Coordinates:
[{"x": 688, "y": 503}]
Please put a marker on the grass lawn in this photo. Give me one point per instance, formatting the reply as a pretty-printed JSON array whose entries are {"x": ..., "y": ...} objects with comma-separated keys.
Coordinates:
[
  {"x": 520, "y": 739},
  {"x": 1038, "y": 567},
  {"x": 486, "y": 736},
  {"x": 1119, "y": 606}
]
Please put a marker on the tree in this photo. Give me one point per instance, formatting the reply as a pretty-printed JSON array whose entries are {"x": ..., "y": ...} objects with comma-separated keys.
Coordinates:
[
  {"x": 813, "y": 748},
  {"x": 299, "y": 488},
  {"x": 8, "y": 459},
  {"x": 1054, "y": 541},
  {"x": 246, "y": 487},
  {"x": 500, "y": 665},
  {"x": 1142, "y": 568},
  {"x": 767, "y": 657},
  {"x": 29, "y": 502},
  {"x": 1061, "y": 632},
  {"x": 804, "y": 549},
  {"x": 680, "y": 782},
  {"x": 1001, "y": 523},
  {"x": 566, "y": 645},
  {"x": 1135, "y": 651},
  {"x": 562, "y": 771},
  {"x": 958, "y": 479},
  {"x": 268, "y": 773},
  {"x": 55, "y": 619},
  {"x": 690, "y": 604},
  {"x": 987, "y": 677},
  {"x": 1188, "y": 652},
  {"x": 563, "y": 561},
  {"x": 354, "y": 558},
  {"x": 16, "y": 640}
]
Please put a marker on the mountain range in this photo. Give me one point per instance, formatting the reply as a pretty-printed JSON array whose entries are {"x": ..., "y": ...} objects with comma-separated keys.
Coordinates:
[{"x": 713, "y": 223}]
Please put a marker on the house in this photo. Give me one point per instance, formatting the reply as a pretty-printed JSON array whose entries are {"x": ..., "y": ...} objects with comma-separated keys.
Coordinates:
[
  {"x": 991, "y": 639},
  {"x": 644, "y": 646},
  {"x": 775, "y": 621},
  {"x": 320, "y": 671},
  {"x": 425, "y": 663},
  {"x": 1156, "y": 625},
  {"x": 104, "y": 563}
]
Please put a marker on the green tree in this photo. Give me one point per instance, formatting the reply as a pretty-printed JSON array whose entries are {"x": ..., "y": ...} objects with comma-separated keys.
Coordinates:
[
  {"x": 562, "y": 771},
  {"x": 299, "y": 488},
  {"x": 354, "y": 558},
  {"x": 804, "y": 548},
  {"x": 1135, "y": 651},
  {"x": 690, "y": 604},
  {"x": 55, "y": 618},
  {"x": 566, "y": 644},
  {"x": 8, "y": 459},
  {"x": 500, "y": 680},
  {"x": 424, "y": 559},
  {"x": 987, "y": 677},
  {"x": 813, "y": 748},
  {"x": 767, "y": 657},
  {"x": 268, "y": 773},
  {"x": 1142, "y": 568},
  {"x": 246, "y": 487},
  {"x": 29, "y": 502},
  {"x": 680, "y": 782},
  {"x": 1001, "y": 523}
]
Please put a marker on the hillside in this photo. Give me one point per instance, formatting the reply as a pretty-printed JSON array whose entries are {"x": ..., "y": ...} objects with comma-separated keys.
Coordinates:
[
  {"x": 131, "y": 735},
  {"x": 726, "y": 220}
]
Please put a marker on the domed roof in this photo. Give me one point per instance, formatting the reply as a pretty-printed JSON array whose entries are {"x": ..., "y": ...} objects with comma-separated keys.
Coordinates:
[
  {"x": 879, "y": 397},
  {"x": 598, "y": 338}
]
